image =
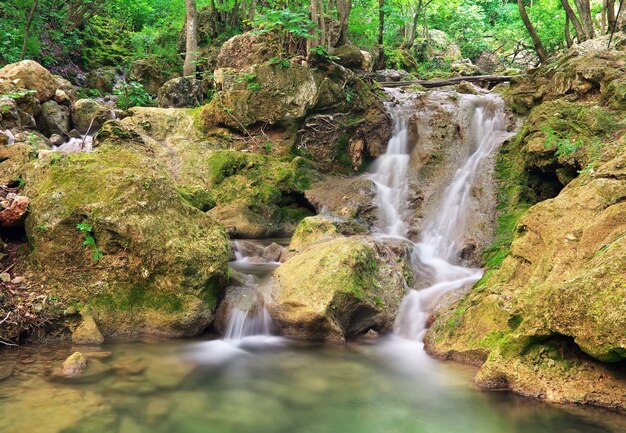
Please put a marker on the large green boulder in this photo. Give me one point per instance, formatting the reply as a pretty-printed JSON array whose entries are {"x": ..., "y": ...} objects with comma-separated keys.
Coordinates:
[
  {"x": 339, "y": 289},
  {"x": 109, "y": 231},
  {"x": 554, "y": 313},
  {"x": 252, "y": 195}
]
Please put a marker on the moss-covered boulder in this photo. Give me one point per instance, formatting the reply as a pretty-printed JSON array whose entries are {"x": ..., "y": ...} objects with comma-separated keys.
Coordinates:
[
  {"x": 32, "y": 76},
  {"x": 88, "y": 116},
  {"x": 576, "y": 76},
  {"x": 338, "y": 289},
  {"x": 257, "y": 196},
  {"x": 101, "y": 79},
  {"x": 108, "y": 230},
  {"x": 349, "y": 56},
  {"x": 252, "y": 195},
  {"x": 264, "y": 93},
  {"x": 322, "y": 228},
  {"x": 151, "y": 72},
  {"x": 555, "y": 310}
]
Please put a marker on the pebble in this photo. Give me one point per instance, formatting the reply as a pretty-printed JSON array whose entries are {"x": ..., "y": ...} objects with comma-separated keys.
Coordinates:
[
  {"x": 17, "y": 280},
  {"x": 5, "y": 277}
]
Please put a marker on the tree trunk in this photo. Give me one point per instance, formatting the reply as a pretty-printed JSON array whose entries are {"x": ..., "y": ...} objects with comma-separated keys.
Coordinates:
[
  {"x": 541, "y": 52},
  {"x": 381, "y": 21},
  {"x": 27, "y": 28},
  {"x": 429, "y": 84},
  {"x": 314, "y": 40},
  {"x": 610, "y": 15},
  {"x": 191, "y": 55},
  {"x": 343, "y": 14},
  {"x": 575, "y": 21},
  {"x": 584, "y": 10},
  {"x": 568, "y": 35},
  {"x": 408, "y": 43}
]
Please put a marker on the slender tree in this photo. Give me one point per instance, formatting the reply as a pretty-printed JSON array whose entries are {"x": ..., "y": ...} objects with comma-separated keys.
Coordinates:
[
  {"x": 31, "y": 15},
  {"x": 539, "y": 49},
  {"x": 191, "y": 49},
  {"x": 343, "y": 14}
]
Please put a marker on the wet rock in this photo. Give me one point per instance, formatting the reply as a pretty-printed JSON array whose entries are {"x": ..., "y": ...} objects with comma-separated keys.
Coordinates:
[
  {"x": 87, "y": 332},
  {"x": 88, "y": 116},
  {"x": 166, "y": 278},
  {"x": 62, "y": 98},
  {"x": 56, "y": 140},
  {"x": 13, "y": 211},
  {"x": 273, "y": 252},
  {"x": 55, "y": 118},
  {"x": 6, "y": 371},
  {"x": 338, "y": 289},
  {"x": 150, "y": 73},
  {"x": 9, "y": 117},
  {"x": 181, "y": 92},
  {"x": 74, "y": 365},
  {"x": 33, "y": 76},
  {"x": 249, "y": 248},
  {"x": 349, "y": 56},
  {"x": 101, "y": 79},
  {"x": 466, "y": 88}
]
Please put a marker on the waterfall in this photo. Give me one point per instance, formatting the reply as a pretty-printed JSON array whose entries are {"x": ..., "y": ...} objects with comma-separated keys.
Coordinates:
[
  {"x": 437, "y": 253},
  {"x": 390, "y": 171}
]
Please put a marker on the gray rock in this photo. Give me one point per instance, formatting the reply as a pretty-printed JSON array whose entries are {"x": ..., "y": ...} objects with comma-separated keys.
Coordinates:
[
  {"x": 56, "y": 140},
  {"x": 74, "y": 365},
  {"x": 181, "y": 92},
  {"x": 54, "y": 118},
  {"x": 88, "y": 115}
]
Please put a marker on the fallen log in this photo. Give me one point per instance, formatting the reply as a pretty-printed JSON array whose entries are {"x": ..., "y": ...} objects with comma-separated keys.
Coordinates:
[{"x": 429, "y": 84}]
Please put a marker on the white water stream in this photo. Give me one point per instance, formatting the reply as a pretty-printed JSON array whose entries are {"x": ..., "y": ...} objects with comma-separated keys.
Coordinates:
[{"x": 439, "y": 247}]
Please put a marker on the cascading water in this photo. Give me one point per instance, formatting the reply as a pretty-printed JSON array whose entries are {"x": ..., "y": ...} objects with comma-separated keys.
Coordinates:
[
  {"x": 437, "y": 253},
  {"x": 391, "y": 169}
]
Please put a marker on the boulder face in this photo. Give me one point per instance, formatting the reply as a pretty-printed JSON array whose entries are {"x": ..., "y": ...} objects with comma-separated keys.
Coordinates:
[
  {"x": 248, "y": 49},
  {"x": 338, "y": 289},
  {"x": 181, "y": 92},
  {"x": 152, "y": 264},
  {"x": 88, "y": 116},
  {"x": 265, "y": 94},
  {"x": 33, "y": 76},
  {"x": 349, "y": 56},
  {"x": 581, "y": 76},
  {"x": 253, "y": 195},
  {"x": 54, "y": 119},
  {"x": 150, "y": 73}
]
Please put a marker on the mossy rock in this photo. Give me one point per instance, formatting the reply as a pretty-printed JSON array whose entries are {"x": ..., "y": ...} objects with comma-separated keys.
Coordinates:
[
  {"x": 160, "y": 264},
  {"x": 562, "y": 280},
  {"x": 338, "y": 289}
]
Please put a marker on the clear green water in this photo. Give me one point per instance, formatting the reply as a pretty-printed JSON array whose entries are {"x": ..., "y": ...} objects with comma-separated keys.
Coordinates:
[{"x": 195, "y": 386}]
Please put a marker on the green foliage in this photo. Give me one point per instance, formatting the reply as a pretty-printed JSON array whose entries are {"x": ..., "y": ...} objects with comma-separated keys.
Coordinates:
[
  {"x": 89, "y": 240},
  {"x": 280, "y": 62},
  {"x": 131, "y": 95}
]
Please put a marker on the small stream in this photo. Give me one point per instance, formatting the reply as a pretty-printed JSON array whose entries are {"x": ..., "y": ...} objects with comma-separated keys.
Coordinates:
[{"x": 249, "y": 380}]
